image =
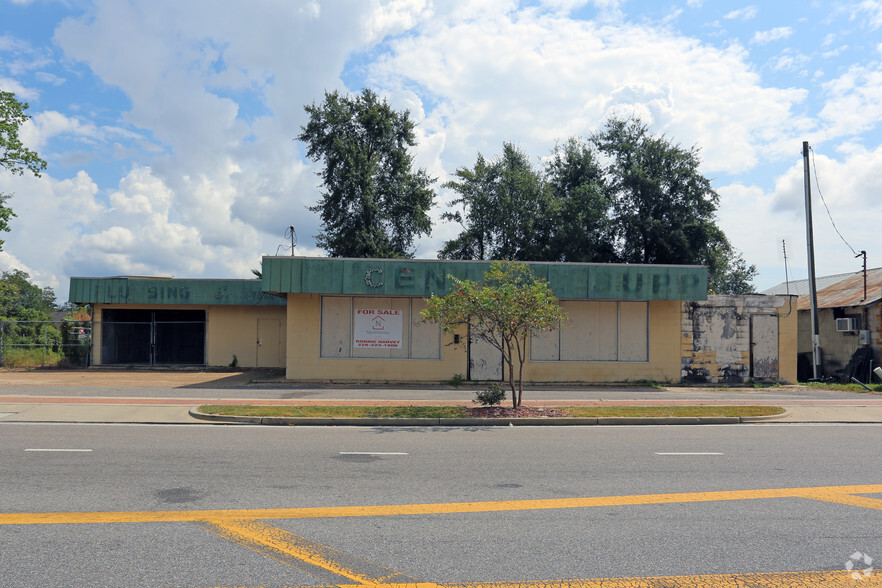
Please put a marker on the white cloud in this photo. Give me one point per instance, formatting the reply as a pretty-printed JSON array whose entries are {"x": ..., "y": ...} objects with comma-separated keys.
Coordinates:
[
  {"x": 48, "y": 124},
  {"x": 776, "y": 34},
  {"x": 746, "y": 13},
  {"x": 393, "y": 16},
  {"x": 869, "y": 12},
  {"x": 21, "y": 91},
  {"x": 228, "y": 185},
  {"x": 854, "y": 101},
  {"x": 565, "y": 6},
  {"x": 49, "y": 78},
  {"x": 541, "y": 78}
]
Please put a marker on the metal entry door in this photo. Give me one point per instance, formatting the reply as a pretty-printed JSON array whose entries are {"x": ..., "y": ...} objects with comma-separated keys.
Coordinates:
[
  {"x": 485, "y": 361},
  {"x": 269, "y": 343},
  {"x": 764, "y": 346}
]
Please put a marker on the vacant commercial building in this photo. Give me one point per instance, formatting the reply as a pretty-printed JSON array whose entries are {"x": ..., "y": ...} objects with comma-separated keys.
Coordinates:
[{"x": 359, "y": 320}]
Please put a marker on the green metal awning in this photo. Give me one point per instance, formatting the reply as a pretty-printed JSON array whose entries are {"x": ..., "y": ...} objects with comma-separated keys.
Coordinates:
[
  {"x": 149, "y": 291},
  {"x": 425, "y": 277}
]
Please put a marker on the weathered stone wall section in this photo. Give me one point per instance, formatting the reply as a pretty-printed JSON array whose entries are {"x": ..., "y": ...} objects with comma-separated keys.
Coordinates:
[{"x": 715, "y": 342}]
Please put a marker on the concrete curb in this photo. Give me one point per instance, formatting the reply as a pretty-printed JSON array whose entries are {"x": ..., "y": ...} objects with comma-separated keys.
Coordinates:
[{"x": 474, "y": 422}]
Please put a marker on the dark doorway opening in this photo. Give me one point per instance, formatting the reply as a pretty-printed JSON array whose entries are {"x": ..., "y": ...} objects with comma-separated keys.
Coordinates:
[{"x": 132, "y": 336}]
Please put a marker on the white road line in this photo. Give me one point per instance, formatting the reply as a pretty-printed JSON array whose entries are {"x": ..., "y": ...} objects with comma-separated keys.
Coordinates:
[
  {"x": 62, "y": 450},
  {"x": 690, "y": 453},
  {"x": 372, "y": 453}
]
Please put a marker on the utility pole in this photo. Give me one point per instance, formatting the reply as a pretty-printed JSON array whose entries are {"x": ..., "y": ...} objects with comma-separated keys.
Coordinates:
[
  {"x": 864, "y": 254},
  {"x": 810, "y": 245}
]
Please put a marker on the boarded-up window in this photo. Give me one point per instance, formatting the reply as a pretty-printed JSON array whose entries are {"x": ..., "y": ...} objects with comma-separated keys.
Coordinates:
[
  {"x": 377, "y": 327},
  {"x": 597, "y": 330}
]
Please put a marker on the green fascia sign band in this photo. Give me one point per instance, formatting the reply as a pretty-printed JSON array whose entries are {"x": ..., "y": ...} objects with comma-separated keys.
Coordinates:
[{"x": 418, "y": 277}]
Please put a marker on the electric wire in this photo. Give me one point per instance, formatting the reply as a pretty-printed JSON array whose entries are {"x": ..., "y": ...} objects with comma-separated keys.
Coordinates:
[{"x": 818, "y": 185}]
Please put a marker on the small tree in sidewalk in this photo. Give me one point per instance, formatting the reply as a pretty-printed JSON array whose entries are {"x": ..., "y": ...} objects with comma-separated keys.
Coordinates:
[{"x": 507, "y": 307}]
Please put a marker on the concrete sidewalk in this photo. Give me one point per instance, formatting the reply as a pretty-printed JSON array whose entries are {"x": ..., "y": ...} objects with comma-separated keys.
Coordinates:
[{"x": 166, "y": 396}]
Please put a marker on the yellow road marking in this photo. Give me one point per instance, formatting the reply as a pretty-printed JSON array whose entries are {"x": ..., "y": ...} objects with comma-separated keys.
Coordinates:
[
  {"x": 294, "y": 550},
  {"x": 862, "y": 501},
  {"x": 835, "y": 579},
  {"x": 839, "y": 494}
]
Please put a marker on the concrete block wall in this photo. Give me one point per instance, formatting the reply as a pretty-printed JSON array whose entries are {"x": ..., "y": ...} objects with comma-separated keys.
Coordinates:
[{"x": 716, "y": 340}]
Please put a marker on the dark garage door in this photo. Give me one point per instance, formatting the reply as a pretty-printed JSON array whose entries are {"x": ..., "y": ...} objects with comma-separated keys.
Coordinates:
[{"x": 152, "y": 337}]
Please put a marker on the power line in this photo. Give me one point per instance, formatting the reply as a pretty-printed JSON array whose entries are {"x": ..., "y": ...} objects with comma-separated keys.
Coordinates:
[{"x": 818, "y": 184}]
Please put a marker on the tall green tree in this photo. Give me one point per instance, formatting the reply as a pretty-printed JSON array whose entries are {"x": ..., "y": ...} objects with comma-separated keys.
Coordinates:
[
  {"x": 374, "y": 204},
  {"x": 623, "y": 195},
  {"x": 663, "y": 208},
  {"x": 24, "y": 310},
  {"x": 505, "y": 309},
  {"x": 579, "y": 228},
  {"x": 14, "y": 156},
  {"x": 21, "y": 300},
  {"x": 502, "y": 204}
]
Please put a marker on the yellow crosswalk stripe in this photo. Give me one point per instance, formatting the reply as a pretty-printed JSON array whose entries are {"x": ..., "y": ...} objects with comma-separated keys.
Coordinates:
[{"x": 309, "y": 556}]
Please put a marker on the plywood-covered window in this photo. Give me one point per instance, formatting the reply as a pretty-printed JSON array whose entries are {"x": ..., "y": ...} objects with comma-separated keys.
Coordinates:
[
  {"x": 597, "y": 330},
  {"x": 377, "y": 327}
]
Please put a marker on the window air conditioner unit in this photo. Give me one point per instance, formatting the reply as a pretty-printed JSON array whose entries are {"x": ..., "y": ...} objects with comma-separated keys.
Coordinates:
[{"x": 844, "y": 325}]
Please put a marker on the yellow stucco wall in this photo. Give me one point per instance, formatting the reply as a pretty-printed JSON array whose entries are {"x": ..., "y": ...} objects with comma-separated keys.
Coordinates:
[
  {"x": 663, "y": 364},
  {"x": 231, "y": 330},
  {"x": 304, "y": 362},
  {"x": 788, "y": 321},
  {"x": 304, "y": 344}
]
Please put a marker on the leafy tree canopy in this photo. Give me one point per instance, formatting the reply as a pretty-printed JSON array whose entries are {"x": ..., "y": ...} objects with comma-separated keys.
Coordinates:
[
  {"x": 623, "y": 195},
  {"x": 14, "y": 156},
  {"x": 488, "y": 194},
  {"x": 507, "y": 307},
  {"x": 373, "y": 204},
  {"x": 20, "y": 300}
]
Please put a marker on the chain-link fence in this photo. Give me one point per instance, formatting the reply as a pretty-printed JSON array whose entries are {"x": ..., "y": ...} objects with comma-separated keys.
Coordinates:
[{"x": 45, "y": 343}]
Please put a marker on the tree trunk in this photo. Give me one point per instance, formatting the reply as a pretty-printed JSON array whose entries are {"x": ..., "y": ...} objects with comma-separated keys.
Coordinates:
[
  {"x": 509, "y": 360},
  {"x": 520, "y": 382}
]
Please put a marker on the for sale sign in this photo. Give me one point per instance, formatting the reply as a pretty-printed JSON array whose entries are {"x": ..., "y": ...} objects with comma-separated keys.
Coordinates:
[{"x": 377, "y": 327}]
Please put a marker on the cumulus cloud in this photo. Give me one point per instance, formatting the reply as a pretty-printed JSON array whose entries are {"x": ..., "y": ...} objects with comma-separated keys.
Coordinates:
[
  {"x": 542, "y": 78},
  {"x": 854, "y": 101},
  {"x": 849, "y": 181},
  {"x": 229, "y": 184}
]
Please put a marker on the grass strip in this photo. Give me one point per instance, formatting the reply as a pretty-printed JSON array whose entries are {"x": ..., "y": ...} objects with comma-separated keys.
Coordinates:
[
  {"x": 434, "y": 412},
  {"x": 873, "y": 388},
  {"x": 462, "y": 411},
  {"x": 673, "y": 411}
]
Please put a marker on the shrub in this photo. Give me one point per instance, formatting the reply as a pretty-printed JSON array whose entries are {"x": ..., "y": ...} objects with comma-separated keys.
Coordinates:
[{"x": 494, "y": 394}]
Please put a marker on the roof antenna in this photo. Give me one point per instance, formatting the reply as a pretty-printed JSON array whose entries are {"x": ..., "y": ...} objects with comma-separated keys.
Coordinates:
[
  {"x": 785, "y": 241},
  {"x": 289, "y": 232}
]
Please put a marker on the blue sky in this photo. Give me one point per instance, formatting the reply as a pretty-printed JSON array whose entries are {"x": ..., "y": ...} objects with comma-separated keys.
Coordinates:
[{"x": 168, "y": 126}]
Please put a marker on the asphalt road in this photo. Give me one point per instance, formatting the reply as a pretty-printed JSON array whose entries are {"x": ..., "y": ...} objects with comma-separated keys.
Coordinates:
[{"x": 174, "y": 505}]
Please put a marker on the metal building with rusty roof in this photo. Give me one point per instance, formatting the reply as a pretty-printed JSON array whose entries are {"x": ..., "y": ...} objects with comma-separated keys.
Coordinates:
[{"x": 849, "y": 317}]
